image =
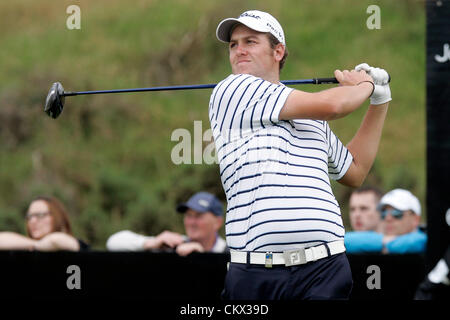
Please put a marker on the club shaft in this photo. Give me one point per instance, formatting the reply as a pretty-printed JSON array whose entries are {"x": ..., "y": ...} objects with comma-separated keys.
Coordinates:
[{"x": 199, "y": 86}]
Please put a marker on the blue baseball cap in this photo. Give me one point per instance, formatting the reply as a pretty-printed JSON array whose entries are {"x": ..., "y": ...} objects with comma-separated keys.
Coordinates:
[{"x": 202, "y": 202}]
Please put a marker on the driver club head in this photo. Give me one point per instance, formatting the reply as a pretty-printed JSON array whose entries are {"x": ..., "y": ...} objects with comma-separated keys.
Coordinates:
[{"x": 54, "y": 103}]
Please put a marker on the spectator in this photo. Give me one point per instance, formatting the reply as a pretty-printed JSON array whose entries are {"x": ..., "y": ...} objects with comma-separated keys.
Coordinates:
[
  {"x": 203, "y": 217},
  {"x": 436, "y": 285},
  {"x": 400, "y": 212},
  {"x": 364, "y": 215},
  {"x": 48, "y": 229}
]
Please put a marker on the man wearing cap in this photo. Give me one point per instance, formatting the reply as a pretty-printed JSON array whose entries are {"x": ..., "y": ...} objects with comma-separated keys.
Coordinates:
[
  {"x": 203, "y": 217},
  {"x": 276, "y": 154},
  {"x": 400, "y": 213}
]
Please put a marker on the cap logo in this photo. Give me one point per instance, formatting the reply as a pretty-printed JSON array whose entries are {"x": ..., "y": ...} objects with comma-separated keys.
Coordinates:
[
  {"x": 203, "y": 203},
  {"x": 274, "y": 30},
  {"x": 251, "y": 15}
]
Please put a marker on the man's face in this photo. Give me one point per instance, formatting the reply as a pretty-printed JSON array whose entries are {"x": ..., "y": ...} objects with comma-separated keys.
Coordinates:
[
  {"x": 250, "y": 53},
  {"x": 395, "y": 227},
  {"x": 363, "y": 211},
  {"x": 201, "y": 226}
]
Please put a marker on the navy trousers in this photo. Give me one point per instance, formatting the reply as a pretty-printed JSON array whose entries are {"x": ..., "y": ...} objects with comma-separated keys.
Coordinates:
[{"x": 325, "y": 279}]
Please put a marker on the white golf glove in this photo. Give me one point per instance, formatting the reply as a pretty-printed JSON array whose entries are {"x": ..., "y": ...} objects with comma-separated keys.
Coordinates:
[{"x": 382, "y": 92}]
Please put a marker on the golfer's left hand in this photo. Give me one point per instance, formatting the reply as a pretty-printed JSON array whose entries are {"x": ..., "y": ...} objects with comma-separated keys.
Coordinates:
[
  {"x": 379, "y": 76},
  {"x": 382, "y": 92}
]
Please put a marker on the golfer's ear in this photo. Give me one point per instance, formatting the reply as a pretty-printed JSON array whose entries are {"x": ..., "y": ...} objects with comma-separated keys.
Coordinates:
[{"x": 279, "y": 51}]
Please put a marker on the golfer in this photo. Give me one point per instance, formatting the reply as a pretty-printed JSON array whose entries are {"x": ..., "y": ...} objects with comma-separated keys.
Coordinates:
[{"x": 277, "y": 155}]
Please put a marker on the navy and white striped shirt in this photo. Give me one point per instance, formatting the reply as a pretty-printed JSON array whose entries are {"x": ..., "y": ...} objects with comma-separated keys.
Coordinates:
[{"x": 275, "y": 173}]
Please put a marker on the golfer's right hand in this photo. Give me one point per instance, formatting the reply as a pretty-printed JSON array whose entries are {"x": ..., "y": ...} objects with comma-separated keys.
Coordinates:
[{"x": 352, "y": 78}]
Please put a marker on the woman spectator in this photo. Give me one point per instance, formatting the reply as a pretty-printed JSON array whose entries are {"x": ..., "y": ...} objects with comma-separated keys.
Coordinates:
[{"x": 48, "y": 229}]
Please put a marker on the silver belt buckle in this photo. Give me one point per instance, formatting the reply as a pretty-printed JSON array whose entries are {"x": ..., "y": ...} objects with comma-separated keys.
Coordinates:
[
  {"x": 294, "y": 257},
  {"x": 269, "y": 260}
]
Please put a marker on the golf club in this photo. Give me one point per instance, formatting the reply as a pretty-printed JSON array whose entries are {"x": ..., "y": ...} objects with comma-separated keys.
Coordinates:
[{"x": 54, "y": 104}]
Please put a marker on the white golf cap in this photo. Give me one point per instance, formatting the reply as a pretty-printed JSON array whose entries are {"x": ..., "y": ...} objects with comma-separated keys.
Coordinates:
[
  {"x": 257, "y": 20},
  {"x": 402, "y": 200}
]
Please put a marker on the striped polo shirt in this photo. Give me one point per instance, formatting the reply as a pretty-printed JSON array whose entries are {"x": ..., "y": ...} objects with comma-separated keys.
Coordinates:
[{"x": 276, "y": 174}]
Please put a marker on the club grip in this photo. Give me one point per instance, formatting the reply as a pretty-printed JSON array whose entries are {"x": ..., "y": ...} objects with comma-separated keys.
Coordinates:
[
  {"x": 334, "y": 80},
  {"x": 325, "y": 80}
]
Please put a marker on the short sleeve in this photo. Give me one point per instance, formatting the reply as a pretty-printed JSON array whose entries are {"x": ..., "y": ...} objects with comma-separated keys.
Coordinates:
[{"x": 339, "y": 158}]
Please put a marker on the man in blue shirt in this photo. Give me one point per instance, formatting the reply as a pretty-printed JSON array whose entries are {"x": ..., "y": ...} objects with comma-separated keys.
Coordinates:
[{"x": 400, "y": 211}]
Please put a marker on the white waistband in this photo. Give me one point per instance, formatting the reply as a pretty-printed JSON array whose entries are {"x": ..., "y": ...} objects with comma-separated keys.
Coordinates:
[{"x": 290, "y": 257}]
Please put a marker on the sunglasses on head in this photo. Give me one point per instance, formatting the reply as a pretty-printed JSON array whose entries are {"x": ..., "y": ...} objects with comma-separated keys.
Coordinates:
[{"x": 395, "y": 213}]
